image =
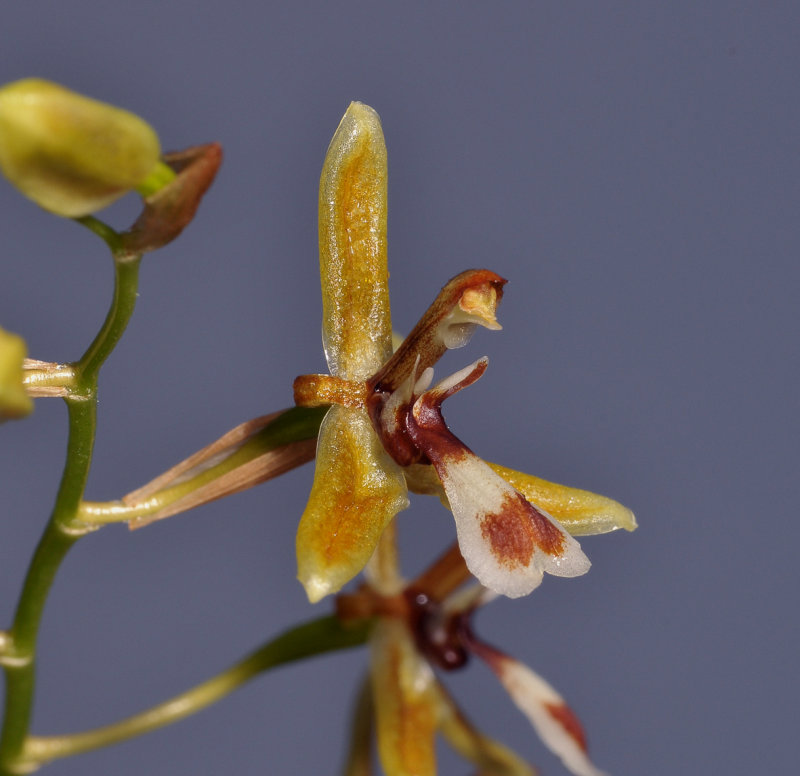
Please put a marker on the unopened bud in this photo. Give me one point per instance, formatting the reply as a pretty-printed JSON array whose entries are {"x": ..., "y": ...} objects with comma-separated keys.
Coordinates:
[
  {"x": 70, "y": 154},
  {"x": 14, "y": 402}
]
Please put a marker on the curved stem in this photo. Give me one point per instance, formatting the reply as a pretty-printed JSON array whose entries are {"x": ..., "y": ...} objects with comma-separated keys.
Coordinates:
[
  {"x": 62, "y": 529},
  {"x": 312, "y": 638},
  {"x": 110, "y": 236},
  {"x": 125, "y": 286},
  {"x": 19, "y": 661}
]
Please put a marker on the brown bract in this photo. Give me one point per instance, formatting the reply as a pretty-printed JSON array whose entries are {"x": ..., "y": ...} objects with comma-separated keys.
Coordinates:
[{"x": 167, "y": 212}]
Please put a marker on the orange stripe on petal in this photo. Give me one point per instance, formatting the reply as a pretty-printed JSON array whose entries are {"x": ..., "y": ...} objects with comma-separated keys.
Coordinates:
[
  {"x": 406, "y": 702},
  {"x": 357, "y": 491},
  {"x": 356, "y": 328}
]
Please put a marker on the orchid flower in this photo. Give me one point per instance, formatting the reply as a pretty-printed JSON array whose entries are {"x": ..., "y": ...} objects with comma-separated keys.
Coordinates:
[
  {"x": 384, "y": 433},
  {"x": 425, "y": 628}
]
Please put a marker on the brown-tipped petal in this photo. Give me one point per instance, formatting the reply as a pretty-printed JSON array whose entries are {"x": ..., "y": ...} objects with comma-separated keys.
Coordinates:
[
  {"x": 581, "y": 512},
  {"x": 357, "y": 490},
  {"x": 170, "y": 210},
  {"x": 554, "y": 721},
  {"x": 356, "y": 322},
  {"x": 491, "y": 757},
  {"x": 506, "y": 542},
  {"x": 456, "y": 382},
  {"x": 406, "y": 702},
  {"x": 468, "y": 300}
]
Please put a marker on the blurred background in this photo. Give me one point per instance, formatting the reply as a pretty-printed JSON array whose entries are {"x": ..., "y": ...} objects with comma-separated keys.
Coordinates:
[{"x": 631, "y": 168}]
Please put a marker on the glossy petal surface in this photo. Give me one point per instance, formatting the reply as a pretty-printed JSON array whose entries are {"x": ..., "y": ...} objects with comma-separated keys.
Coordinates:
[
  {"x": 507, "y": 543},
  {"x": 356, "y": 329},
  {"x": 581, "y": 512},
  {"x": 357, "y": 490},
  {"x": 406, "y": 702}
]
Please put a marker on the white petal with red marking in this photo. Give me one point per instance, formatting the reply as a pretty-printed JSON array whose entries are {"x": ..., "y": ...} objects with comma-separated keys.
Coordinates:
[
  {"x": 553, "y": 720},
  {"x": 506, "y": 542}
]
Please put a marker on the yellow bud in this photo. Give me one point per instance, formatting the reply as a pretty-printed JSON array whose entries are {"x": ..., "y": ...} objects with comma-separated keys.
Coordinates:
[
  {"x": 14, "y": 402},
  {"x": 70, "y": 154}
]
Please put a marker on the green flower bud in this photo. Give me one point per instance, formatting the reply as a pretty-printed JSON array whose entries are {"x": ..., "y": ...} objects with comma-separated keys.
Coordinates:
[
  {"x": 14, "y": 402},
  {"x": 70, "y": 154}
]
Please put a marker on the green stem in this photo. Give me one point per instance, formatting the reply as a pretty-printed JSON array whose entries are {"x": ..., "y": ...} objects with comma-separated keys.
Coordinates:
[
  {"x": 313, "y": 638},
  {"x": 125, "y": 286},
  {"x": 104, "y": 231},
  {"x": 19, "y": 663},
  {"x": 62, "y": 529}
]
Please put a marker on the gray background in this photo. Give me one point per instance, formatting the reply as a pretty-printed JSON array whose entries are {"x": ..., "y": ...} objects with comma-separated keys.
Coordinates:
[{"x": 631, "y": 168}]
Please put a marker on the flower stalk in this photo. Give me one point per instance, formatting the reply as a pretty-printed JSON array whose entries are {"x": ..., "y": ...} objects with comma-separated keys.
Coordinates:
[
  {"x": 310, "y": 639},
  {"x": 62, "y": 529}
]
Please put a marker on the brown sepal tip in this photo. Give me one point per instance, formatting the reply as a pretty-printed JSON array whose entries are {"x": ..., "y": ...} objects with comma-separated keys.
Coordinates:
[
  {"x": 424, "y": 346},
  {"x": 169, "y": 211}
]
